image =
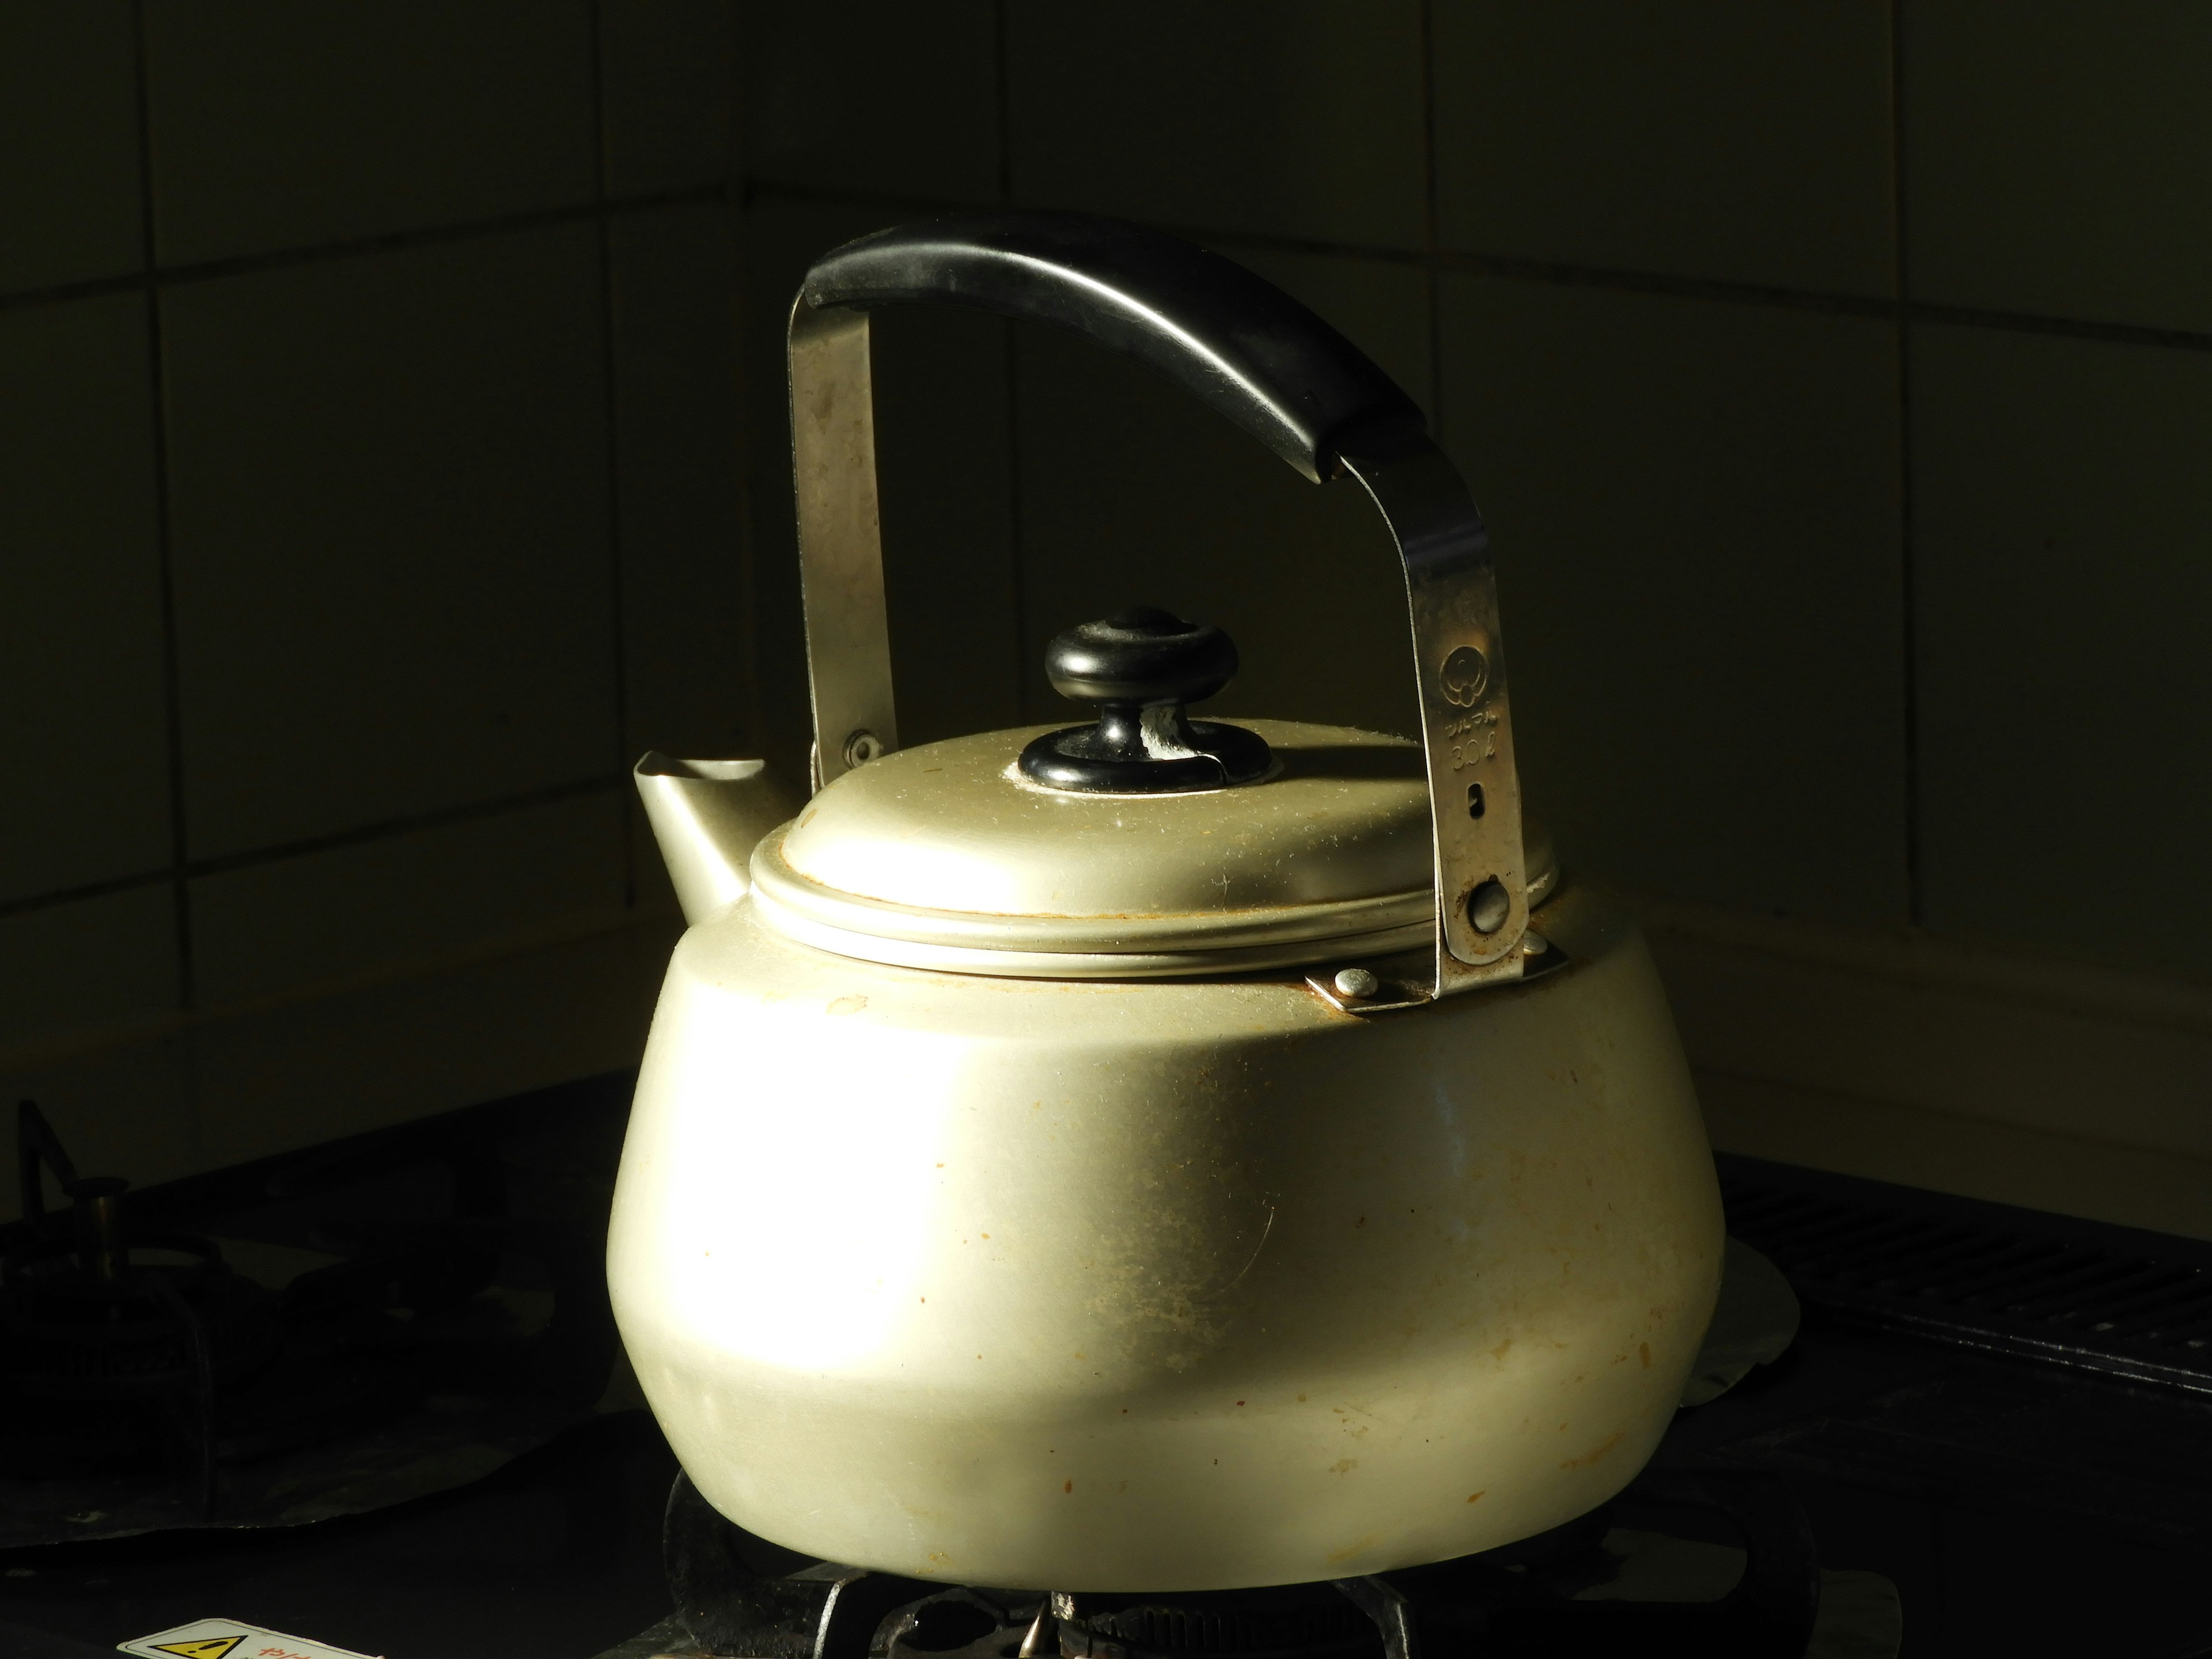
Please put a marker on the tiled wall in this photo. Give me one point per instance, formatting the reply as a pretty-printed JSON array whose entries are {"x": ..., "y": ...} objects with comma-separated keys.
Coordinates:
[
  {"x": 1839, "y": 400},
  {"x": 1850, "y": 558},
  {"x": 380, "y": 470},
  {"x": 1837, "y": 380},
  {"x": 369, "y": 496}
]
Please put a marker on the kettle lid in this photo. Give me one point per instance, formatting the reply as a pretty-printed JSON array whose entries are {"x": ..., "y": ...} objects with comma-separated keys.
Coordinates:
[{"x": 1147, "y": 845}]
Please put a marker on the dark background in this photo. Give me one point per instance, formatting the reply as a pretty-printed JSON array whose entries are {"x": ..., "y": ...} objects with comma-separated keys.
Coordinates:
[{"x": 391, "y": 446}]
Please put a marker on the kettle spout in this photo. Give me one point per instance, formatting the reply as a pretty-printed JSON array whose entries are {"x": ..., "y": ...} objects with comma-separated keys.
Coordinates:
[{"x": 708, "y": 815}]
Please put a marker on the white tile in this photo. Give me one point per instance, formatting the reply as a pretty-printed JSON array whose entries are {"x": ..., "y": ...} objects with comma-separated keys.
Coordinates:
[
  {"x": 68, "y": 126},
  {"x": 2059, "y": 159},
  {"x": 1284, "y": 118},
  {"x": 2062, "y": 569},
  {"x": 1732, "y": 140},
  {"x": 669, "y": 73},
  {"x": 1695, "y": 512},
  {"x": 394, "y": 568},
  {"x": 299, "y": 1074},
  {"x": 875, "y": 95},
  {"x": 92, "y": 965},
  {"x": 83, "y": 700},
  {"x": 681, "y": 484},
  {"x": 288, "y": 926},
  {"x": 277, "y": 125}
]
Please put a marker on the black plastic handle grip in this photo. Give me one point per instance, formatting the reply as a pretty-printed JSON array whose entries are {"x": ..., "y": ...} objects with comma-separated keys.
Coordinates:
[{"x": 1232, "y": 340}]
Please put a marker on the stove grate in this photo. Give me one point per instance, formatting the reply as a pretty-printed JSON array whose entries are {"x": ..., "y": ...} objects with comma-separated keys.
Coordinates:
[{"x": 1982, "y": 1275}]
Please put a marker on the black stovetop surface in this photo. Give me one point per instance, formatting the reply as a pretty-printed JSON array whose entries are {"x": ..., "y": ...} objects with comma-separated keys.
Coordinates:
[
  {"x": 1996, "y": 1548},
  {"x": 2020, "y": 1508},
  {"x": 1992, "y": 1492},
  {"x": 557, "y": 1554}
]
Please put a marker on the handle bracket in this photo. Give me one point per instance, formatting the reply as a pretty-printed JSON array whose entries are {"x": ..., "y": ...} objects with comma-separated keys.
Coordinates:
[
  {"x": 841, "y": 547},
  {"x": 1467, "y": 723}
]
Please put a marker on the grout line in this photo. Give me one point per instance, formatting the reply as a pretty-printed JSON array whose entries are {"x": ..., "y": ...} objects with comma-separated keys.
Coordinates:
[
  {"x": 1915, "y": 906},
  {"x": 1009, "y": 338},
  {"x": 164, "y": 539},
  {"x": 417, "y": 967},
  {"x": 755, "y": 449},
  {"x": 1019, "y": 560},
  {"x": 166, "y": 876},
  {"x": 522, "y": 800},
  {"x": 745, "y": 465},
  {"x": 249, "y": 264},
  {"x": 386, "y": 829},
  {"x": 1566, "y": 274},
  {"x": 619, "y": 642},
  {"x": 2018, "y": 322},
  {"x": 1430, "y": 236},
  {"x": 743, "y": 468},
  {"x": 744, "y": 474},
  {"x": 1563, "y": 274},
  {"x": 1002, "y": 85},
  {"x": 1841, "y": 305}
]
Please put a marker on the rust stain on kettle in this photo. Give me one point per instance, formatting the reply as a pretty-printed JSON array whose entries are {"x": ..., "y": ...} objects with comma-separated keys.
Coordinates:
[
  {"x": 848, "y": 1005},
  {"x": 1594, "y": 1453}
]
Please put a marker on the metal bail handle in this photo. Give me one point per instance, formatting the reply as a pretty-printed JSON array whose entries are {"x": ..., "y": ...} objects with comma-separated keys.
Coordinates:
[{"x": 1266, "y": 364}]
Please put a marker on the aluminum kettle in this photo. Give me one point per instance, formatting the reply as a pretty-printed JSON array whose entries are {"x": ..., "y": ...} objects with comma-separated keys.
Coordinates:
[{"x": 1152, "y": 1154}]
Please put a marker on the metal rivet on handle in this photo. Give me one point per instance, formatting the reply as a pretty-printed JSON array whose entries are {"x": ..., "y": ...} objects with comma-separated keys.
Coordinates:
[
  {"x": 1356, "y": 982},
  {"x": 862, "y": 747},
  {"x": 1488, "y": 906}
]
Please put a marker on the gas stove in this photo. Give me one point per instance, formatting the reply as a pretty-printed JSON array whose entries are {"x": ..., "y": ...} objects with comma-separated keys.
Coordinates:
[
  {"x": 1992, "y": 1436},
  {"x": 1637, "y": 1575},
  {"x": 404, "y": 1331},
  {"x": 1995, "y": 1435}
]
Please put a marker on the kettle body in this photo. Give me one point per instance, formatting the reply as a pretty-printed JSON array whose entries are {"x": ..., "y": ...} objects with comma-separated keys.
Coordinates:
[
  {"x": 1159, "y": 1284},
  {"x": 1160, "y": 1154}
]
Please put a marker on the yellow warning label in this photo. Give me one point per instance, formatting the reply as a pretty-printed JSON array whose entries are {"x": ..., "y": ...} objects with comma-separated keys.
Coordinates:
[{"x": 229, "y": 1638}]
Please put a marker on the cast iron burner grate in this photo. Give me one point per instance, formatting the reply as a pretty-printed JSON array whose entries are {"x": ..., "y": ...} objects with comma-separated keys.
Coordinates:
[
  {"x": 737, "y": 1595},
  {"x": 1313, "y": 1619},
  {"x": 129, "y": 1351},
  {"x": 1981, "y": 1275}
]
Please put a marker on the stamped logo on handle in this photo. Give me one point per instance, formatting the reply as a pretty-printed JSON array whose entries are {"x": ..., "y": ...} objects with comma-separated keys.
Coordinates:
[{"x": 1466, "y": 672}]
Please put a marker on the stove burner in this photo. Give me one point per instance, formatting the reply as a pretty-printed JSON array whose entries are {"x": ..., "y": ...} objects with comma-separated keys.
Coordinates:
[
  {"x": 741, "y": 1596},
  {"x": 102, "y": 1320},
  {"x": 122, "y": 1342},
  {"x": 1299, "y": 1621},
  {"x": 124, "y": 1348}
]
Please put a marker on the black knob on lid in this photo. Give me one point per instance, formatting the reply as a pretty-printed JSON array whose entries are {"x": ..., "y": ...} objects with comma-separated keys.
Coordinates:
[
  {"x": 1140, "y": 667},
  {"x": 1144, "y": 655}
]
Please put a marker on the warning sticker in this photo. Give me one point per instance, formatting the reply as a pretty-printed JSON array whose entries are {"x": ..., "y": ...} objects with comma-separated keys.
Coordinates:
[{"x": 226, "y": 1638}]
